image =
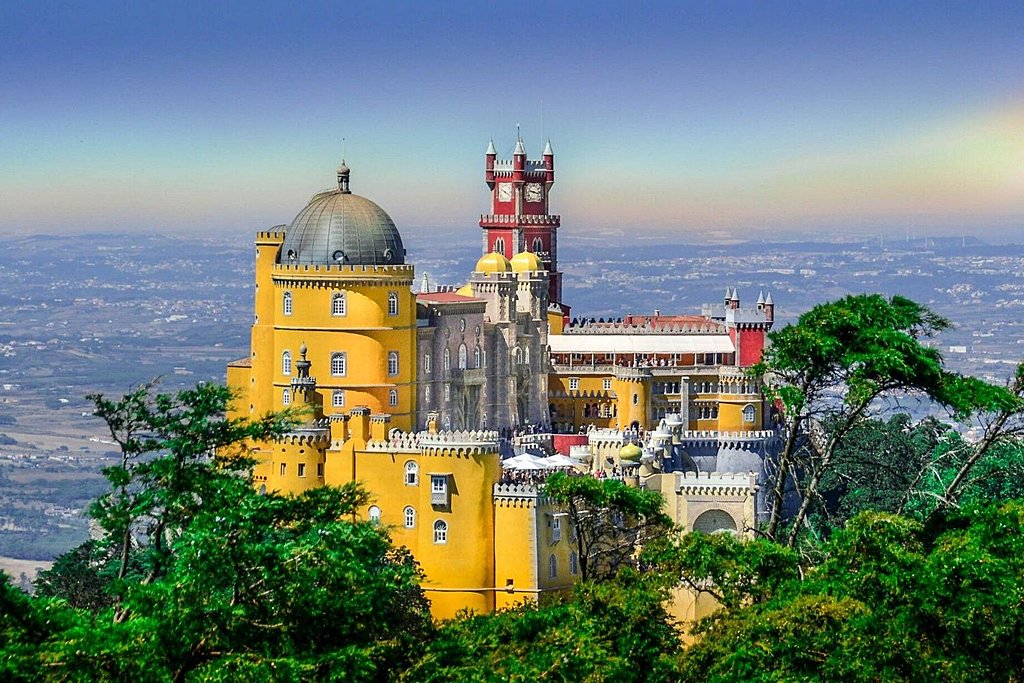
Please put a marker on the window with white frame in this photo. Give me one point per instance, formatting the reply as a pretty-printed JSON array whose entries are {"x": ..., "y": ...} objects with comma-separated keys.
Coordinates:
[
  {"x": 574, "y": 563},
  {"x": 476, "y": 358},
  {"x": 409, "y": 515},
  {"x": 574, "y": 383},
  {"x": 426, "y": 363},
  {"x": 339, "y": 304},
  {"x": 339, "y": 364},
  {"x": 393, "y": 398},
  {"x": 374, "y": 514},
  {"x": 556, "y": 529},
  {"x": 286, "y": 397},
  {"x": 392, "y": 363},
  {"x": 440, "y": 531},
  {"x": 748, "y": 413},
  {"x": 338, "y": 398},
  {"x": 447, "y": 392},
  {"x": 552, "y": 566},
  {"x": 426, "y": 395},
  {"x": 302, "y": 470},
  {"x": 607, "y": 384},
  {"x": 439, "y": 490},
  {"x": 286, "y": 363},
  {"x": 286, "y": 303},
  {"x": 412, "y": 473},
  {"x": 463, "y": 356},
  {"x": 392, "y": 303},
  {"x": 447, "y": 359}
]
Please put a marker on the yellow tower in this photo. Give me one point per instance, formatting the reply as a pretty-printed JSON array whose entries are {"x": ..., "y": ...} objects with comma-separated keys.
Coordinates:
[{"x": 333, "y": 284}]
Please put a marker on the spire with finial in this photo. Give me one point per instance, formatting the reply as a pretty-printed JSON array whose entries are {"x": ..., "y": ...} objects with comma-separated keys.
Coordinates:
[
  {"x": 425, "y": 285},
  {"x": 343, "y": 175},
  {"x": 520, "y": 149},
  {"x": 547, "y": 148},
  {"x": 490, "y": 147}
]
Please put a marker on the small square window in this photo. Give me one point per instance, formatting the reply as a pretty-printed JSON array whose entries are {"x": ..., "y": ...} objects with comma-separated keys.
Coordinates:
[
  {"x": 302, "y": 469},
  {"x": 574, "y": 383}
]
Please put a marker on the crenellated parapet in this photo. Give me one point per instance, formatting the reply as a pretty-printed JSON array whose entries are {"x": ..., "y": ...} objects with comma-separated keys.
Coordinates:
[
  {"x": 734, "y": 484},
  {"x": 515, "y": 495},
  {"x": 590, "y": 326},
  {"x": 314, "y": 275},
  {"x": 467, "y": 442}
]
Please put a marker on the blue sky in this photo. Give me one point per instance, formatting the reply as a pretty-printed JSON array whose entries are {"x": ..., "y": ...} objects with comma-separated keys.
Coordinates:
[{"x": 686, "y": 120}]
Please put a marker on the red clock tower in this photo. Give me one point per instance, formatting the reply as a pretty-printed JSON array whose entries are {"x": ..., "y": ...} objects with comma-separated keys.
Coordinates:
[{"x": 519, "y": 219}]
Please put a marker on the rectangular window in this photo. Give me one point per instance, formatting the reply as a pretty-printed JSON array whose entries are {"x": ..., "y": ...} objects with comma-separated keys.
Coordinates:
[
  {"x": 556, "y": 529},
  {"x": 302, "y": 469},
  {"x": 447, "y": 392},
  {"x": 574, "y": 383},
  {"x": 607, "y": 385},
  {"x": 439, "y": 490},
  {"x": 426, "y": 363},
  {"x": 284, "y": 469},
  {"x": 339, "y": 364},
  {"x": 320, "y": 469},
  {"x": 338, "y": 398}
]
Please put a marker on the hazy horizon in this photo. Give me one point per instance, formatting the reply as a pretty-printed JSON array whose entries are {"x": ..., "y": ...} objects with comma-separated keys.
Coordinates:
[{"x": 680, "y": 122}]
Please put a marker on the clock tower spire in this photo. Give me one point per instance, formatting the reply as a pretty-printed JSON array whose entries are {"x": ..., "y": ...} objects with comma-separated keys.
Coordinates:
[{"x": 519, "y": 219}]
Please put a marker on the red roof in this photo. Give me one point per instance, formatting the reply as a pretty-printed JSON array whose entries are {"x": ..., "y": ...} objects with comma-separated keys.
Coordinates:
[{"x": 446, "y": 298}]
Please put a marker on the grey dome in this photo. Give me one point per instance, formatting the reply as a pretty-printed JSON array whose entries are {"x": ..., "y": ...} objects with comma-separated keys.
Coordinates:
[{"x": 340, "y": 228}]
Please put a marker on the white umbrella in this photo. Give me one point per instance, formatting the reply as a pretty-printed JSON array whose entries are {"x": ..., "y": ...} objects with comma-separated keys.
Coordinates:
[
  {"x": 524, "y": 462},
  {"x": 558, "y": 460}
]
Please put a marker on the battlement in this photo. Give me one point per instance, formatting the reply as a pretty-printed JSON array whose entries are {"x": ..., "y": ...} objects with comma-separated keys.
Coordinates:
[
  {"x": 738, "y": 484},
  {"x": 274, "y": 236},
  {"x": 491, "y": 219},
  {"x": 477, "y": 440},
  {"x": 591, "y": 326},
  {"x": 403, "y": 270}
]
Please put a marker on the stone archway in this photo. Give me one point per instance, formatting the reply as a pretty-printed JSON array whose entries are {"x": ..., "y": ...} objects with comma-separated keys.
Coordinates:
[{"x": 713, "y": 521}]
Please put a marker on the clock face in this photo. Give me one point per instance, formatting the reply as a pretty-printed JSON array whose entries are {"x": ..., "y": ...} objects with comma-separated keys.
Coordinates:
[
  {"x": 504, "y": 192},
  {"x": 534, "y": 192}
]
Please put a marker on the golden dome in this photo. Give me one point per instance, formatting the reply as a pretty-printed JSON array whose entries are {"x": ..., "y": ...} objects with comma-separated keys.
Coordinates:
[
  {"x": 631, "y": 452},
  {"x": 493, "y": 263},
  {"x": 526, "y": 261},
  {"x": 465, "y": 290}
]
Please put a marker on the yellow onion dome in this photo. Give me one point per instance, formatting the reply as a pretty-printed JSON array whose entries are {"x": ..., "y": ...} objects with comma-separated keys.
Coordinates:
[
  {"x": 526, "y": 261},
  {"x": 493, "y": 263},
  {"x": 631, "y": 452},
  {"x": 465, "y": 290}
]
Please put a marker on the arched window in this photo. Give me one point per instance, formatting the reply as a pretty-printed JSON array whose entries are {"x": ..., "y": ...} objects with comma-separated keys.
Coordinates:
[
  {"x": 339, "y": 304},
  {"x": 412, "y": 473},
  {"x": 286, "y": 303},
  {"x": 574, "y": 563},
  {"x": 463, "y": 356},
  {"x": 286, "y": 397},
  {"x": 338, "y": 398},
  {"x": 447, "y": 359},
  {"x": 392, "y": 303},
  {"x": 440, "y": 531},
  {"x": 393, "y": 397},
  {"x": 447, "y": 392},
  {"x": 499, "y": 245},
  {"x": 286, "y": 363},
  {"x": 392, "y": 363},
  {"x": 636, "y": 399},
  {"x": 517, "y": 355},
  {"x": 526, "y": 355},
  {"x": 374, "y": 514},
  {"x": 538, "y": 245},
  {"x": 476, "y": 358},
  {"x": 552, "y": 566},
  {"x": 339, "y": 364},
  {"x": 483, "y": 359},
  {"x": 748, "y": 413},
  {"x": 426, "y": 395},
  {"x": 409, "y": 514}
]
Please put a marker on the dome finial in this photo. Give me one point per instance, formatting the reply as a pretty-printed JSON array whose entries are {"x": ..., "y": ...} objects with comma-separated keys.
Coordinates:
[{"x": 343, "y": 174}]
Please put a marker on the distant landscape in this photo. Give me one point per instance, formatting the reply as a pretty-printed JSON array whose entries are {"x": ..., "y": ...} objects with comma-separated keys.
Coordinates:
[{"x": 101, "y": 313}]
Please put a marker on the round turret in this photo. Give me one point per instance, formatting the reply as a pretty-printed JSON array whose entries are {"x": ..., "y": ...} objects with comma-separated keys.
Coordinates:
[
  {"x": 493, "y": 262},
  {"x": 526, "y": 261},
  {"x": 341, "y": 228}
]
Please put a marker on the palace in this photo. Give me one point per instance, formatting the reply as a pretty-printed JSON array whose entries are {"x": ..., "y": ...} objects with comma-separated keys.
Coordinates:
[{"x": 421, "y": 396}]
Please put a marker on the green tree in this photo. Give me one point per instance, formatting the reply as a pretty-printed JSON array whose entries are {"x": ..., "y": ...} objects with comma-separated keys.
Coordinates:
[
  {"x": 176, "y": 452},
  {"x": 77, "y": 576},
  {"x": 615, "y": 630},
  {"x": 834, "y": 367},
  {"x": 609, "y": 521},
  {"x": 890, "y": 599}
]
